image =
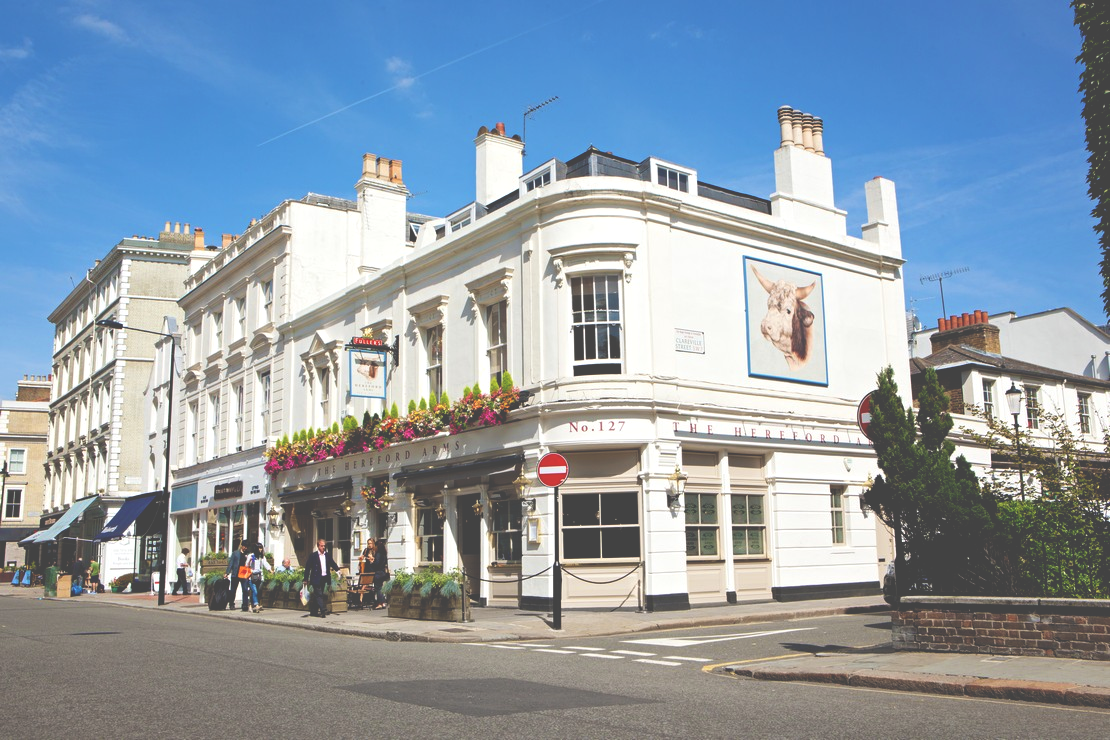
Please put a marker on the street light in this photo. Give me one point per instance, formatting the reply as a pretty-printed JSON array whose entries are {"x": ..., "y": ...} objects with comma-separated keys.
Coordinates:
[
  {"x": 1013, "y": 400},
  {"x": 113, "y": 324}
]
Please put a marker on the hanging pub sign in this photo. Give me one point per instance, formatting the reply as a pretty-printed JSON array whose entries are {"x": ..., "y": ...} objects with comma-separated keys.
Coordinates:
[{"x": 366, "y": 359}]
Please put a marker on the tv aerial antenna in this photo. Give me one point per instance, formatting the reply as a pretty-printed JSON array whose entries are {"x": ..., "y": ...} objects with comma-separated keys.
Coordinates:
[
  {"x": 939, "y": 277},
  {"x": 529, "y": 112}
]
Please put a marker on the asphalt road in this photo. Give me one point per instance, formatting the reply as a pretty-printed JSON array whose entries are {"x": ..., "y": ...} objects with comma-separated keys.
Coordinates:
[{"x": 80, "y": 669}]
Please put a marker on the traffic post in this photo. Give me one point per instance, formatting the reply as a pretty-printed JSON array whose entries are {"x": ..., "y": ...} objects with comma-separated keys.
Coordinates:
[{"x": 553, "y": 471}]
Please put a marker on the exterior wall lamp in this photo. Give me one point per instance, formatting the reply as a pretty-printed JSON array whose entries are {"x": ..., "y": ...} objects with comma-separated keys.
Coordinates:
[
  {"x": 522, "y": 484},
  {"x": 441, "y": 512},
  {"x": 347, "y": 506},
  {"x": 274, "y": 513},
  {"x": 678, "y": 487}
]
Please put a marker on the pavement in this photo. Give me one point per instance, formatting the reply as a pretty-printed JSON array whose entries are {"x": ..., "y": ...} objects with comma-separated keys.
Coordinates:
[{"x": 1017, "y": 678}]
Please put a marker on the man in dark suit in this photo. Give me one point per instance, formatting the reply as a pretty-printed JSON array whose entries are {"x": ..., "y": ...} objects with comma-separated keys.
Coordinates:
[
  {"x": 317, "y": 571},
  {"x": 238, "y": 558}
]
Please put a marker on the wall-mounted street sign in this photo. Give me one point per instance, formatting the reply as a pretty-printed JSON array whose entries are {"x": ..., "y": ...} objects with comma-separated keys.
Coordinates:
[
  {"x": 863, "y": 415},
  {"x": 553, "y": 470}
]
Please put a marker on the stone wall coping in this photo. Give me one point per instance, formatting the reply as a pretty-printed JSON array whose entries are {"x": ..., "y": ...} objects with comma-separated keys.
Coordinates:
[{"x": 1004, "y": 603}]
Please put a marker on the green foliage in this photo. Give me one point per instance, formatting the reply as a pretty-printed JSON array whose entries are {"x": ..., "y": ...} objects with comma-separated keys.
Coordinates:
[
  {"x": 1093, "y": 19},
  {"x": 393, "y": 413},
  {"x": 412, "y": 406},
  {"x": 428, "y": 582},
  {"x": 444, "y": 400},
  {"x": 494, "y": 386},
  {"x": 423, "y": 404},
  {"x": 1058, "y": 537},
  {"x": 335, "y": 428},
  {"x": 942, "y": 523},
  {"x": 367, "y": 420},
  {"x": 349, "y": 423},
  {"x": 506, "y": 382}
]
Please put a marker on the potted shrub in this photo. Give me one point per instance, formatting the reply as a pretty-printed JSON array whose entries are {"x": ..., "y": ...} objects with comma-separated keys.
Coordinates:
[
  {"x": 429, "y": 594},
  {"x": 213, "y": 561},
  {"x": 120, "y": 584}
]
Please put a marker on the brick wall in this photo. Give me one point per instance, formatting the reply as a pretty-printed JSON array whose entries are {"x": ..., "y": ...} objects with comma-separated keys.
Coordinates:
[{"x": 1061, "y": 628}]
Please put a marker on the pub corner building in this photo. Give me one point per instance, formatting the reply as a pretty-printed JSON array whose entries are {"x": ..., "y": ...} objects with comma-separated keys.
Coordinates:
[{"x": 696, "y": 354}]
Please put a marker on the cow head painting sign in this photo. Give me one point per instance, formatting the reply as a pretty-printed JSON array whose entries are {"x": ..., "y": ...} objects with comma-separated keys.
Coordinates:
[
  {"x": 367, "y": 373},
  {"x": 786, "y": 323}
]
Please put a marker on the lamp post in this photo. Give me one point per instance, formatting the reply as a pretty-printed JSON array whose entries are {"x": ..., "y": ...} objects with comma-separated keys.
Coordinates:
[
  {"x": 1013, "y": 400},
  {"x": 113, "y": 324}
]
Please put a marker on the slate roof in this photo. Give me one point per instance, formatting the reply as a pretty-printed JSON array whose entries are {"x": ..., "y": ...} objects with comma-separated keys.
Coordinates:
[{"x": 956, "y": 355}]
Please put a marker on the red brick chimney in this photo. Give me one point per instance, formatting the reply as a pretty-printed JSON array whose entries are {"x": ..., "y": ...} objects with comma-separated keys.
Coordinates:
[{"x": 972, "y": 330}]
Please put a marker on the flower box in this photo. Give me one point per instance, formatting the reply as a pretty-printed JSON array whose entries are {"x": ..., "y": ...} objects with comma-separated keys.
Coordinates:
[{"x": 433, "y": 608}]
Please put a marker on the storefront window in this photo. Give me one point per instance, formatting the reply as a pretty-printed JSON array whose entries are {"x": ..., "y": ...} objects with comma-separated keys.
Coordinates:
[
  {"x": 701, "y": 524},
  {"x": 748, "y": 528},
  {"x": 601, "y": 525},
  {"x": 345, "y": 541},
  {"x": 506, "y": 531},
  {"x": 429, "y": 531}
]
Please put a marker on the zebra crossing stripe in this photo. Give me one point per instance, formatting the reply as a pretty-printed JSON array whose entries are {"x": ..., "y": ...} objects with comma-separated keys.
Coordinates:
[
  {"x": 633, "y": 652},
  {"x": 657, "y": 662},
  {"x": 680, "y": 657},
  {"x": 588, "y": 649},
  {"x": 557, "y": 652},
  {"x": 602, "y": 655}
]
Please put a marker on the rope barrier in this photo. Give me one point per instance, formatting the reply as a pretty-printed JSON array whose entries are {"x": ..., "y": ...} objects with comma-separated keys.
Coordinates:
[
  {"x": 601, "y": 583},
  {"x": 626, "y": 598},
  {"x": 515, "y": 580}
]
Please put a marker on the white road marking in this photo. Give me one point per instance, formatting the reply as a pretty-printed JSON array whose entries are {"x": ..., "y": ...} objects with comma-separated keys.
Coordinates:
[
  {"x": 508, "y": 647},
  {"x": 557, "y": 652},
  {"x": 680, "y": 657},
  {"x": 588, "y": 649},
  {"x": 689, "y": 641},
  {"x": 632, "y": 652},
  {"x": 657, "y": 662},
  {"x": 533, "y": 645},
  {"x": 602, "y": 655}
]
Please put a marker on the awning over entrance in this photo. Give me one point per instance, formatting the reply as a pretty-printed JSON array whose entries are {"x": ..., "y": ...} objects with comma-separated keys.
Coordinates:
[
  {"x": 29, "y": 540},
  {"x": 442, "y": 472},
  {"x": 331, "y": 489},
  {"x": 15, "y": 534},
  {"x": 126, "y": 516},
  {"x": 64, "y": 521}
]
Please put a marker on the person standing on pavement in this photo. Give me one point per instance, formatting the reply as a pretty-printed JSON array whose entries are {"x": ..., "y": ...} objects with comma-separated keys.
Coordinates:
[
  {"x": 237, "y": 560},
  {"x": 94, "y": 576},
  {"x": 258, "y": 564},
  {"x": 317, "y": 572},
  {"x": 381, "y": 573},
  {"x": 182, "y": 573},
  {"x": 78, "y": 572}
]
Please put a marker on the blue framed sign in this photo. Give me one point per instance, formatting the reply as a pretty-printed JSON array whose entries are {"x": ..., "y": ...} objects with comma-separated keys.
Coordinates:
[{"x": 785, "y": 308}]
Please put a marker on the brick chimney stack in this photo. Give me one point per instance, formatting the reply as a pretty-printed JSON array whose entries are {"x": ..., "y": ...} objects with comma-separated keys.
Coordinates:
[{"x": 972, "y": 330}]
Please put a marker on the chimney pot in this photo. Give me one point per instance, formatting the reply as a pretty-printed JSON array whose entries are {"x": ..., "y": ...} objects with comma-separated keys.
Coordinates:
[
  {"x": 942, "y": 325},
  {"x": 177, "y": 227},
  {"x": 198, "y": 238},
  {"x": 499, "y": 128},
  {"x": 167, "y": 227}
]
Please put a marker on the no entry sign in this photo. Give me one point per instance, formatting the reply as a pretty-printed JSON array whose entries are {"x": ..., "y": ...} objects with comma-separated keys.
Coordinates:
[
  {"x": 553, "y": 470},
  {"x": 863, "y": 415}
]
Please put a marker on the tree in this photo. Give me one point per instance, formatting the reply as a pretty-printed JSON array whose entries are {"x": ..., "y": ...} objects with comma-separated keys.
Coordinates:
[
  {"x": 942, "y": 523},
  {"x": 1093, "y": 19},
  {"x": 1059, "y": 535}
]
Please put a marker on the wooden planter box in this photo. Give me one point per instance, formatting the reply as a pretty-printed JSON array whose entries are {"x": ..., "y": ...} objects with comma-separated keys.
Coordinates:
[
  {"x": 6, "y": 576},
  {"x": 433, "y": 608},
  {"x": 213, "y": 566}
]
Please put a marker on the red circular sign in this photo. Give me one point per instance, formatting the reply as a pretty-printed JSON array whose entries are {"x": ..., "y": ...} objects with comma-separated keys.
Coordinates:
[
  {"x": 863, "y": 415},
  {"x": 553, "y": 470}
]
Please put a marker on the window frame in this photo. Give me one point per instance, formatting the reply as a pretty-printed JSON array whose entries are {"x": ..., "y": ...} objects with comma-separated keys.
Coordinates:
[
  {"x": 433, "y": 360},
  {"x": 567, "y": 529},
  {"x": 11, "y": 492},
  {"x": 838, "y": 511},
  {"x": 700, "y": 525},
  {"x": 1032, "y": 407},
  {"x": 583, "y": 326},
  {"x": 267, "y": 288},
  {"x": 748, "y": 525},
  {"x": 988, "y": 398},
  {"x": 22, "y": 464},
  {"x": 238, "y": 396},
  {"x": 212, "y": 446},
  {"x": 513, "y": 529},
  {"x": 497, "y": 339},
  {"x": 428, "y": 513},
  {"x": 263, "y": 401},
  {"x": 664, "y": 175},
  {"x": 1084, "y": 408}
]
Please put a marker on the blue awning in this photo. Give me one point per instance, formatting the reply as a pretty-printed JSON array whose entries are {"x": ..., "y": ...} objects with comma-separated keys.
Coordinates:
[
  {"x": 64, "y": 521},
  {"x": 126, "y": 516},
  {"x": 29, "y": 539}
]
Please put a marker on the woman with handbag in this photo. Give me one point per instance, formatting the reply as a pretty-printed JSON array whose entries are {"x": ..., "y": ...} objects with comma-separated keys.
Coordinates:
[
  {"x": 258, "y": 563},
  {"x": 365, "y": 566}
]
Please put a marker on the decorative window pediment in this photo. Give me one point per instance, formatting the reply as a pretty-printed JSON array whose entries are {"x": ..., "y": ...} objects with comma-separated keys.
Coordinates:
[
  {"x": 380, "y": 329},
  {"x": 492, "y": 288},
  {"x": 581, "y": 258},
  {"x": 430, "y": 312}
]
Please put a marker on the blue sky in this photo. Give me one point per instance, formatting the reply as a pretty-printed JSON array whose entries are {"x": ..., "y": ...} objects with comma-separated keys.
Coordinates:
[{"x": 118, "y": 116}]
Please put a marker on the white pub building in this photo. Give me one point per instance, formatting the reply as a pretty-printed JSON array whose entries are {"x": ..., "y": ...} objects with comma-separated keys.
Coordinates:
[{"x": 695, "y": 353}]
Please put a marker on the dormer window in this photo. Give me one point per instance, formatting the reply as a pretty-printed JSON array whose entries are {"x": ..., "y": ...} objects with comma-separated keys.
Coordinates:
[
  {"x": 672, "y": 179},
  {"x": 538, "y": 181},
  {"x": 460, "y": 221}
]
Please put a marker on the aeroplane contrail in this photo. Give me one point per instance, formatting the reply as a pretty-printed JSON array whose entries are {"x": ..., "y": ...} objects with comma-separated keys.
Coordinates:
[{"x": 445, "y": 65}]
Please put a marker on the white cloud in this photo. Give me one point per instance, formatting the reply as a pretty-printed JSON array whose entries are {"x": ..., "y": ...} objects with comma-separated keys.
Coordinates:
[
  {"x": 405, "y": 82},
  {"x": 101, "y": 27},
  {"x": 16, "y": 52}
]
